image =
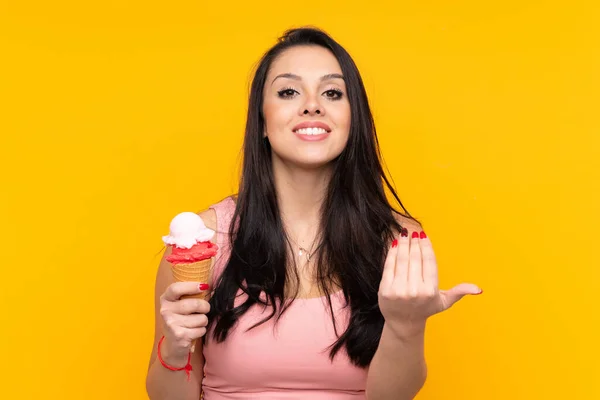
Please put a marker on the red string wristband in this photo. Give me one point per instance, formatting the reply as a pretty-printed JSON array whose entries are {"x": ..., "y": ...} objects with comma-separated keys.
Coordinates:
[{"x": 187, "y": 368}]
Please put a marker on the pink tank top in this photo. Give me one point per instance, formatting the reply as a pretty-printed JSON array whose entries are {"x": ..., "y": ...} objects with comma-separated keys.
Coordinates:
[{"x": 289, "y": 360}]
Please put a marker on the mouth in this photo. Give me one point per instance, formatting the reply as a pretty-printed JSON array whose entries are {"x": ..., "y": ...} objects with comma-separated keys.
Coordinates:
[
  {"x": 312, "y": 134},
  {"x": 311, "y": 128},
  {"x": 311, "y": 131}
]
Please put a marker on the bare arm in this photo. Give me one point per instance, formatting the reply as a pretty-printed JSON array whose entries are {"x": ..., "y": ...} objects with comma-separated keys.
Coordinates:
[
  {"x": 161, "y": 383},
  {"x": 398, "y": 369}
]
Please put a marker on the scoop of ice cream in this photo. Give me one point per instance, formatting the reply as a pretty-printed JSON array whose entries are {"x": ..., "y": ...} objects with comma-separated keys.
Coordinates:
[
  {"x": 186, "y": 230},
  {"x": 198, "y": 252}
]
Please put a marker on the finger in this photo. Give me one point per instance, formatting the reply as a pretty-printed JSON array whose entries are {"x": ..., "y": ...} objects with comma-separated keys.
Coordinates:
[
  {"x": 389, "y": 265},
  {"x": 194, "y": 321},
  {"x": 451, "y": 296},
  {"x": 191, "y": 306},
  {"x": 197, "y": 333},
  {"x": 415, "y": 264},
  {"x": 402, "y": 259},
  {"x": 430, "y": 269},
  {"x": 187, "y": 335},
  {"x": 178, "y": 289}
]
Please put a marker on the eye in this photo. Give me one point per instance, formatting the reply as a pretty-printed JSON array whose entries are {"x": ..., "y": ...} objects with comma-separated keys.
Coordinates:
[
  {"x": 331, "y": 94},
  {"x": 334, "y": 94},
  {"x": 286, "y": 93}
]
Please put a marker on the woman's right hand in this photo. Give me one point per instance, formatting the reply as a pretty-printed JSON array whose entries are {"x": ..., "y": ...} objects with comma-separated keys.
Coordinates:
[{"x": 184, "y": 320}]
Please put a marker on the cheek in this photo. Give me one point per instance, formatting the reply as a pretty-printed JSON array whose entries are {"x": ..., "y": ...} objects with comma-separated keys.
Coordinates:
[
  {"x": 342, "y": 113},
  {"x": 277, "y": 116},
  {"x": 343, "y": 118}
]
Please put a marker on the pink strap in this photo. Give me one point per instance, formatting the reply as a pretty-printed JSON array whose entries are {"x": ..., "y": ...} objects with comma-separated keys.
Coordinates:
[{"x": 224, "y": 210}]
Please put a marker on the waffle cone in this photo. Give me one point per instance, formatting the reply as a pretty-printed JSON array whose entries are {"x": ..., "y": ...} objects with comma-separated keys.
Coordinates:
[{"x": 196, "y": 272}]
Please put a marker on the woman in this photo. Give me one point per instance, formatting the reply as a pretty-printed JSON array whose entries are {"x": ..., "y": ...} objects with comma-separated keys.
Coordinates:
[{"x": 322, "y": 290}]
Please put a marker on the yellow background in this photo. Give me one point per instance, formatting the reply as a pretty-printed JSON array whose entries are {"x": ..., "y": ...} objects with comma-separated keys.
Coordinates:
[{"x": 117, "y": 115}]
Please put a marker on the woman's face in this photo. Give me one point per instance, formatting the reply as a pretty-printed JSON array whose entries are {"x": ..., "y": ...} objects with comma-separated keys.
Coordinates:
[{"x": 306, "y": 110}]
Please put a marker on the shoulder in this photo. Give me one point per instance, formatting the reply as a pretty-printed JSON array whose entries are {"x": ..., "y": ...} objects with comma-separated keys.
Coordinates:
[{"x": 209, "y": 215}]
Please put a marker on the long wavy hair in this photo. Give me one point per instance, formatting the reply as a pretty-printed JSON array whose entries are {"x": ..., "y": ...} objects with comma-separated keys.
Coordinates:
[{"x": 357, "y": 222}]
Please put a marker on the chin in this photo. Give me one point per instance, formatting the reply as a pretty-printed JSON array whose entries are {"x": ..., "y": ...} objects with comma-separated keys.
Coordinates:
[
  {"x": 313, "y": 162},
  {"x": 318, "y": 158}
]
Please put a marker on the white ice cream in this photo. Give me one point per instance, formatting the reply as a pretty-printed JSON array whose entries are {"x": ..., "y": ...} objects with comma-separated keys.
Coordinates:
[{"x": 186, "y": 230}]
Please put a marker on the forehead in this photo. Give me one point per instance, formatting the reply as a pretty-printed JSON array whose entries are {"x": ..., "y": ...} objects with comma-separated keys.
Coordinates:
[{"x": 310, "y": 62}]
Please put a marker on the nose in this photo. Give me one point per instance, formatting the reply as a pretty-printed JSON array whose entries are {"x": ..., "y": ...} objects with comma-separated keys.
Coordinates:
[{"x": 312, "y": 107}]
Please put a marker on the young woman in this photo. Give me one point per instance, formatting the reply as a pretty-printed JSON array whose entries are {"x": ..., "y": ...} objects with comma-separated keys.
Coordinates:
[{"x": 321, "y": 289}]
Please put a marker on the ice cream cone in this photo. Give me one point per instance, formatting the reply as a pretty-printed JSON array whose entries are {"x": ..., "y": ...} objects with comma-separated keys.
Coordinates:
[
  {"x": 192, "y": 251},
  {"x": 194, "y": 272}
]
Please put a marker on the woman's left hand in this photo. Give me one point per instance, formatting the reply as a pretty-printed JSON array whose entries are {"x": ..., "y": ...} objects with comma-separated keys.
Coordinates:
[{"x": 408, "y": 292}]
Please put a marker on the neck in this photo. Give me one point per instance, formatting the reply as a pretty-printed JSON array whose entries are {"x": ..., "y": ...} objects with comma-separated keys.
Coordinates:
[{"x": 300, "y": 194}]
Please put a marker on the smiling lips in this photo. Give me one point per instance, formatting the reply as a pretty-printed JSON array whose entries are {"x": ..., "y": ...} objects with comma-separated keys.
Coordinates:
[{"x": 312, "y": 131}]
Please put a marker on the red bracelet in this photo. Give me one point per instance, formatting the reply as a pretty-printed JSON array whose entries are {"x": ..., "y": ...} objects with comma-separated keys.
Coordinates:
[{"x": 187, "y": 368}]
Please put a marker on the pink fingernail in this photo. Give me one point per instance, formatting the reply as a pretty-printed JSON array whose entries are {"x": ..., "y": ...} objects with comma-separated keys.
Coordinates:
[{"x": 203, "y": 286}]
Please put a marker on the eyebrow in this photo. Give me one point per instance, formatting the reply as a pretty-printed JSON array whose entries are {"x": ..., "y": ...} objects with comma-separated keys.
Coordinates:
[{"x": 298, "y": 78}]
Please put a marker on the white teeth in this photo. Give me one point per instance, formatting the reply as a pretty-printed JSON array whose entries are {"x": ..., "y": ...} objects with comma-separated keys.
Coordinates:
[{"x": 311, "y": 131}]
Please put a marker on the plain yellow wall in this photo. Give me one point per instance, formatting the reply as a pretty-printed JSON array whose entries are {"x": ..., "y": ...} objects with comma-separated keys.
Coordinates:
[{"x": 116, "y": 116}]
